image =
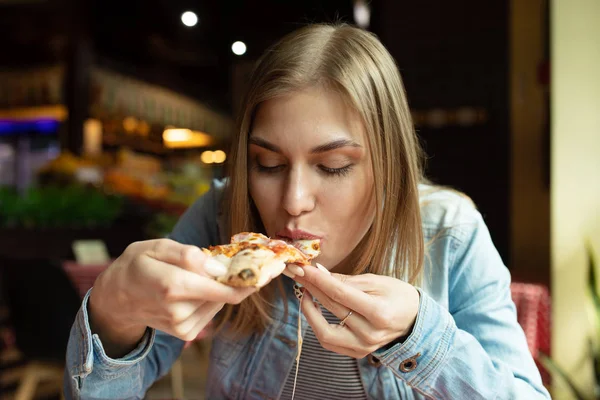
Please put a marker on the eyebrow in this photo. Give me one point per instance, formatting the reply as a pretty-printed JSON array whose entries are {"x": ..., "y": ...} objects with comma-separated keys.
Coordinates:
[{"x": 323, "y": 148}]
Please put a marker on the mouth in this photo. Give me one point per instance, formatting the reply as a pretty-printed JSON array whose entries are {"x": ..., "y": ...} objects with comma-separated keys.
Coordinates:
[{"x": 296, "y": 234}]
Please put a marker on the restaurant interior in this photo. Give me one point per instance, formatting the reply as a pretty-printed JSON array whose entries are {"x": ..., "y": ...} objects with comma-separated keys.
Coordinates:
[{"x": 115, "y": 116}]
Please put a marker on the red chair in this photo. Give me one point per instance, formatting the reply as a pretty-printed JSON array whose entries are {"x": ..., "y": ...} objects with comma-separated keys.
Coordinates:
[
  {"x": 534, "y": 315},
  {"x": 83, "y": 276}
]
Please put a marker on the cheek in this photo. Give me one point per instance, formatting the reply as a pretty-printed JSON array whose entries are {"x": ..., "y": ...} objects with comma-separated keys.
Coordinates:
[
  {"x": 350, "y": 212},
  {"x": 347, "y": 199},
  {"x": 265, "y": 194}
]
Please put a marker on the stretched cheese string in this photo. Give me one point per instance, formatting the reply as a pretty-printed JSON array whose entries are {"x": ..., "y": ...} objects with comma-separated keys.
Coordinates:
[
  {"x": 299, "y": 345},
  {"x": 299, "y": 296}
]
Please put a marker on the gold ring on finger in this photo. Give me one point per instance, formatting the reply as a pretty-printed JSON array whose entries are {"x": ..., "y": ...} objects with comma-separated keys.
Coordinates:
[{"x": 343, "y": 322}]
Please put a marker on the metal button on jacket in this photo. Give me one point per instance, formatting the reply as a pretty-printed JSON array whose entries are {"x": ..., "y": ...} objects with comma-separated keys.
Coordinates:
[
  {"x": 373, "y": 361},
  {"x": 410, "y": 363}
]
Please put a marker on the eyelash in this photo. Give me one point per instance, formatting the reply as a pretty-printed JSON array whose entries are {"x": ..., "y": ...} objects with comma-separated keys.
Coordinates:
[
  {"x": 329, "y": 171},
  {"x": 337, "y": 171}
]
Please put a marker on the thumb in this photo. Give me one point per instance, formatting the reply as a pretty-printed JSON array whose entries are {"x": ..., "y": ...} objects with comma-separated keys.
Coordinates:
[
  {"x": 184, "y": 256},
  {"x": 214, "y": 268},
  {"x": 202, "y": 264}
]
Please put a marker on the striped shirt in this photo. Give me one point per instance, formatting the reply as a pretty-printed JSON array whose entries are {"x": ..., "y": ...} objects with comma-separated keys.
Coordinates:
[{"x": 323, "y": 374}]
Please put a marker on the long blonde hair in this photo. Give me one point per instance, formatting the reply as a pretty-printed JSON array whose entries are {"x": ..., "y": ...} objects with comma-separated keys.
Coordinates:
[{"x": 354, "y": 63}]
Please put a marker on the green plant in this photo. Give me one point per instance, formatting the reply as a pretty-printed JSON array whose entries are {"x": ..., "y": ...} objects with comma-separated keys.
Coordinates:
[
  {"x": 53, "y": 206},
  {"x": 594, "y": 293}
]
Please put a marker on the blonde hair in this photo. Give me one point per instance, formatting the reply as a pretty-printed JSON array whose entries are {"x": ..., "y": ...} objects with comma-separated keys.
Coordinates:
[{"x": 355, "y": 64}]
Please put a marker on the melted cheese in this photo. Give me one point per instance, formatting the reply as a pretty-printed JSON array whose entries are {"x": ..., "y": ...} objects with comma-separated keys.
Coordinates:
[
  {"x": 299, "y": 347},
  {"x": 223, "y": 259},
  {"x": 269, "y": 271},
  {"x": 312, "y": 248},
  {"x": 250, "y": 259}
]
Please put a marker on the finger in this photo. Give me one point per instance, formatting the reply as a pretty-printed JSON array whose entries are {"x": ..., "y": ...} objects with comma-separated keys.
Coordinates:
[
  {"x": 190, "y": 328},
  {"x": 206, "y": 319},
  {"x": 181, "y": 311},
  {"x": 168, "y": 251},
  {"x": 356, "y": 322},
  {"x": 182, "y": 255},
  {"x": 326, "y": 333},
  {"x": 337, "y": 309},
  {"x": 203, "y": 316},
  {"x": 214, "y": 268},
  {"x": 338, "y": 290},
  {"x": 295, "y": 269},
  {"x": 179, "y": 317},
  {"x": 179, "y": 284},
  {"x": 212, "y": 311},
  {"x": 195, "y": 287},
  {"x": 346, "y": 351},
  {"x": 367, "y": 283},
  {"x": 287, "y": 273},
  {"x": 322, "y": 268}
]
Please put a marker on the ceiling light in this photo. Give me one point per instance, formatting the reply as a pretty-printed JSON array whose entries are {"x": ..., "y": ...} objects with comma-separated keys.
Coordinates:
[
  {"x": 174, "y": 138},
  {"x": 177, "y": 135},
  {"x": 362, "y": 14},
  {"x": 219, "y": 156},
  {"x": 189, "y": 18},
  {"x": 238, "y": 48},
  {"x": 130, "y": 124},
  {"x": 207, "y": 157}
]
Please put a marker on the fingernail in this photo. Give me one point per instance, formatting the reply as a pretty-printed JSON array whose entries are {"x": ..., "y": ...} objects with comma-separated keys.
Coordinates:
[
  {"x": 214, "y": 268},
  {"x": 296, "y": 270},
  {"x": 322, "y": 268}
]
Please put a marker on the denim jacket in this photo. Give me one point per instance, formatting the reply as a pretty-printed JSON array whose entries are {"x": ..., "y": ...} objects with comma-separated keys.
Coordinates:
[{"x": 466, "y": 342}]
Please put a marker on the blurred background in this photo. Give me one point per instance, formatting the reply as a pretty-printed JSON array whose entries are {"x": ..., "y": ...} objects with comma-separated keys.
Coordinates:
[{"x": 116, "y": 115}]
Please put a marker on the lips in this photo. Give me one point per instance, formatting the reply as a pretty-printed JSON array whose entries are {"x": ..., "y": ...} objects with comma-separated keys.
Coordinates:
[{"x": 296, "y": 234}]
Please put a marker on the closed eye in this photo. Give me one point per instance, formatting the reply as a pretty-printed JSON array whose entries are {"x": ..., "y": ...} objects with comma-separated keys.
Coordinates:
[
  {"x": 337, "y": 171},
  {"x": 269, "y": 169},
  {"x": 326, "y": 170}
]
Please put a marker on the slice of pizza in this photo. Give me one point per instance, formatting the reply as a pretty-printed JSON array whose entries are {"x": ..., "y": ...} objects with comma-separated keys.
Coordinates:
[{"x": 253, "y": 259}]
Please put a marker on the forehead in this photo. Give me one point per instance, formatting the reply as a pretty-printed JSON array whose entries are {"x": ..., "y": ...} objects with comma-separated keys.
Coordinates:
[{"x": 309, "y": 117}]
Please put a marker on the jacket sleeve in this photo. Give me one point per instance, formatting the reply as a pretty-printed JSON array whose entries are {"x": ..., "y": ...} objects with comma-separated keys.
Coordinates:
[
  {"x": 475, "y": 349},
  {"x": 91, "y": 374}
]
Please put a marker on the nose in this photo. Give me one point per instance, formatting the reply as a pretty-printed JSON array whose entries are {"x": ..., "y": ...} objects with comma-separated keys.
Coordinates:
[{"x": 298, "y": 197}]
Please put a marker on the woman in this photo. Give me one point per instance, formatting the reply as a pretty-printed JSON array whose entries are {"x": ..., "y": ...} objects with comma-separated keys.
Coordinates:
[{"x": 419, "y": 302}]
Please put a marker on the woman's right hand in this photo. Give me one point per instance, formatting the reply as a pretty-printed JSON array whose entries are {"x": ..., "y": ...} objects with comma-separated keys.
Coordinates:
[{"x": 160, "y": 284}]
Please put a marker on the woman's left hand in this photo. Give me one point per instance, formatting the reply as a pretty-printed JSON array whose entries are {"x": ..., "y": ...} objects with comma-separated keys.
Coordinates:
[{"x": 383, "y": 310}]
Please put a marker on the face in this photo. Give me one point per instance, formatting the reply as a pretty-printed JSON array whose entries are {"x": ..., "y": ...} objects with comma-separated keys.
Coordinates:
[{"x": 310, "y": 172}]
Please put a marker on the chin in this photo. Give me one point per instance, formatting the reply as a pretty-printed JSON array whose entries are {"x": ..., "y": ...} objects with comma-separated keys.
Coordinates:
[{"x": 327, "y": 262}]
